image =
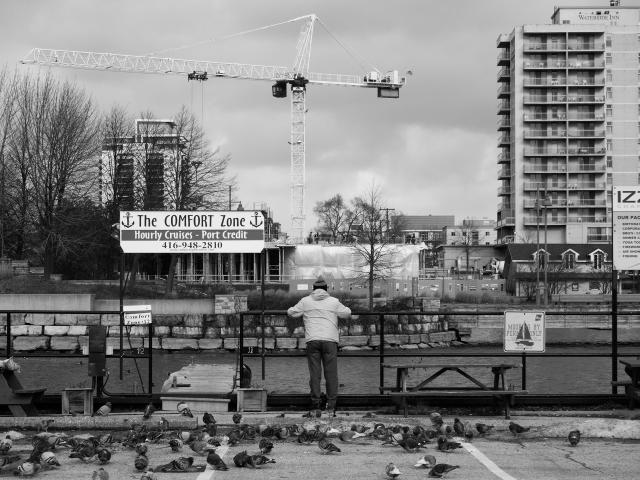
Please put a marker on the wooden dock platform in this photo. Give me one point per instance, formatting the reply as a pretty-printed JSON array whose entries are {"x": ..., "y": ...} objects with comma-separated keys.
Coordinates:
[{"x": 205, "y": 387}]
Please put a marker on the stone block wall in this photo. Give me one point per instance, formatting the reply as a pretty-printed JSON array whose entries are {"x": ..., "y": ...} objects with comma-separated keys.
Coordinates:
[{"x": 68, "y": 332}]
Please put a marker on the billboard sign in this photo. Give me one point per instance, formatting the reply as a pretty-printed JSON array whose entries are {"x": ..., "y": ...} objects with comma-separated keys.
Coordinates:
[
  {"x": 192, "y": 232},
  {"x": 626, "y": 228}
]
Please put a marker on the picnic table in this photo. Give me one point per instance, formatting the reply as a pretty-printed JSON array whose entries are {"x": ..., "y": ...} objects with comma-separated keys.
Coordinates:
[
  {"x": 425, "y": 387},
  {"x": 19, "y": 400},
  {"x": 631, "y": 386}
]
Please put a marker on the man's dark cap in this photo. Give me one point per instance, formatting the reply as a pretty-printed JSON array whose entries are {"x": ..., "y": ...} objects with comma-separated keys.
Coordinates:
[{"x": 320, "y": 283}]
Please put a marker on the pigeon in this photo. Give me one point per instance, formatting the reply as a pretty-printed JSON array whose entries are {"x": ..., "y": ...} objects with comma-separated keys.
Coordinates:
[
  {"x": 445, "y": 445},
  {"x": 574, "y": 437},
  {"x": 141, "y": 463},
  {"x": 27, "y": 469},
  {"x": 265, "y": 446},
  {"x": 483, "y": 428},
  {"x": 49, "y": 460},
  {"x": 142, "y": 449},
  {"x": 261, "y": 460},
  {"x": 282, "y": 432},
  {"x": 237, "y": 418},
  {"x": 6, "y": 461},
  {"x": 43, "y": 426},
  {"x": 439, "y": 470},
  {"x": 436, "y": 419},
  {"x": 103, "y": 410},
  {"x": 409, "y": 444},
  {"x": 201, "y": 447},
  {"x": 208, "y": 419},
  {"x": 149, "y": 475},
  {"x": 326, "y": 446},
  {"x": 184, "y": 409},
  {"x": 350, "y": 435},
  {"x": 392, "y": 471},
  {"x": 84, "y": 451},
  {"x": 216, "y": 462},
  {"x": 182, "y": 464},
  {"x": 100, "y": 474},
  {"x": 517, "y": 429},
  {"x": 458, "y": 427},
  {"x": 243, "y": 460},
  {"x": 175, "y": 444},
  {"x": 234, "y": 438},
  {"x": 148, "y": 411},
  {"x": 427, "y": 461},
  {"x": 104, "y": 456},
  {"x": 5, "y": 445}
]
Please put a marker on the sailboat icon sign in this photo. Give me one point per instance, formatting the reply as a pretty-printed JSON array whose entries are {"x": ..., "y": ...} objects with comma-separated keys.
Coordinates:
[{"x": 524, "y": 331}]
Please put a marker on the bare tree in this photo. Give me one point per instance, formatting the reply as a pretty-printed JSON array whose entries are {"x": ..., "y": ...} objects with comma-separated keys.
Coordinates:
[
  {"x": 7, "y": 112},
  {"x": 65, "y": 144},
  {"x": 333, "y": 215},
  {"x": 372, "y": 250}
]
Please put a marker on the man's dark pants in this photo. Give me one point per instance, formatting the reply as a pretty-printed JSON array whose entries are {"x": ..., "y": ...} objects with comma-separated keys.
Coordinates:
[{"x": 322, "y": 354}]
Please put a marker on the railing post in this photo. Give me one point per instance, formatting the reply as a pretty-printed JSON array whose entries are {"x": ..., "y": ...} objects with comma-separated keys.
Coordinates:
[
  {"x": 381, "y": 350},
  {"x": 241, "y": 349},
  {"x": 614, "y": 330},
  {"x": 8, "y": 334},
  {"x": 150, "y": 358},
  {"x": 524, "y": 370}
]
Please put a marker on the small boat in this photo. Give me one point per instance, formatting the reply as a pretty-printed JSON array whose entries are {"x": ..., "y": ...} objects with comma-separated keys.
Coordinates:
[{"x": 524, "y": 336}]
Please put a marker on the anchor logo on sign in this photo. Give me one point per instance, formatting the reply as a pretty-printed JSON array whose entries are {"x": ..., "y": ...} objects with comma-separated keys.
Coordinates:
[
  {"x": 128, "y": 220},
  {"x": 257, "y": 220}
]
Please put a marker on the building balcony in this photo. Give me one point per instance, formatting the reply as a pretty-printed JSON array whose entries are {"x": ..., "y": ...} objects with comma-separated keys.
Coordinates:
[
  {"x": 587, "y": 151},
  {"x": 598, "y": 237},
  {"x": 507, "y": 221},
  {"x": 586, "y": 219},
  {"x": 586, "y": 203},
  {"x": 548, "y": 65},
  {"x": 534, "y": 168},
  {"x": 585, "y": 82},
  {"x": 542, "y": 186},
  {"x": 504, "y": 122},
  {"x": 535, "y": 152},
  {"x": 585, "y": 185},
  {"x": 504, "y": 172},
  {"x": 546, "y": 99},
  {"x": 579, "y": 65},
  {"x": 586, "y": 134},
  {"x": 587, "y": 168},
  {"x": 550, "y": 117},
  {"x": 504, "y": 140},
  {"x": 504, "y": 90},
  {"x": 504, "y": 106},
  {"x": 544, "y": 47},
  {"x": 544, "y": 134},
  {"x": 589, "y": 116},
  {"x": 504, "y": 158},
  {"x": 555, "y": 203},
  {"x": 504, "y": 57},
  {"x": 585, "y": 98},
  {"x": 586, "y": 46},
  {"x": 551, "y": 220},
  {"x": 506, "y": 240},
  {"x": 545, "y": 82},
  {"x": 505, "y": 190},
  {"x": 504, "y": 74}
]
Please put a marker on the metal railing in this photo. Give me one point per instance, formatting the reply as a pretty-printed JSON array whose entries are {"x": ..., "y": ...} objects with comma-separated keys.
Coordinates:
[{"x": 382, "y": 352}]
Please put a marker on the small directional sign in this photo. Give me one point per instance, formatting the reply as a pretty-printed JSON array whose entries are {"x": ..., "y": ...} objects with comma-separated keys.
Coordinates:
[
  {"x": 137, "y": 314},
  {"x": 192, "y": 232}
]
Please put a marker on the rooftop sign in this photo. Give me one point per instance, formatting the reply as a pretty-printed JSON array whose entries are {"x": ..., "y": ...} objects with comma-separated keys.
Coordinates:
[{"x": 192, "y": 232}]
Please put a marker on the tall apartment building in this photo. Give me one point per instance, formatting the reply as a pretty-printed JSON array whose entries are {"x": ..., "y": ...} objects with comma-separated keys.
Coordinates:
[
  {"x": 568, "y": 123},
  {"x": 133, "y": 168}
]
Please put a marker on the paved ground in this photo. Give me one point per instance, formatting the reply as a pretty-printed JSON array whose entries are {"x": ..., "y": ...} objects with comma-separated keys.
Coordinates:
[{"x": 609, "y": 449}]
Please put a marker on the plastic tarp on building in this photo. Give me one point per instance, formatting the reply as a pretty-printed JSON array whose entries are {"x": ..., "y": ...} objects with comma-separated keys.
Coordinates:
[{"x": 343, "y": 262}]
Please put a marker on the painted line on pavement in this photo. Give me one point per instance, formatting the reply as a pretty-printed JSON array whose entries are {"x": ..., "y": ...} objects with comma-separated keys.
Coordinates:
[
  {"x": 483, "y": 459},
  {"x": 210, "y": 474}
]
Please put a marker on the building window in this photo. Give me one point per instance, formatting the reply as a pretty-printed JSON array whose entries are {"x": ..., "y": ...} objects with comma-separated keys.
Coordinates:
[
  {"x": 569, "y": 260},
  {"x": 609, "y": 76},
  {"x": 609, "y": 145},
  {"x": 609, "y": 161},
  {"x": 453, "y": 234},
  {"x": 609, "y": 111},
  {"x": 607, "y": 40},
  {"x": 598, "y": 260},
  {"x": 607, "y": 58},
  {"x": 609, "y": 93},
  {"x": 541, "y": 258},
  {"x": 594, "y": 285},
  {"x": 609, "y": 128}
]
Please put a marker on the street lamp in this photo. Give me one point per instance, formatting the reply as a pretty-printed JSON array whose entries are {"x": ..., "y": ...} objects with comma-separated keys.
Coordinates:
[{"x": 541, "y": 204}]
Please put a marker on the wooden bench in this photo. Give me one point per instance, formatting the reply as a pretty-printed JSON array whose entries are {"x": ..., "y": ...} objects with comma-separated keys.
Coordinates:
[
  {"x": 631, "y": 386},
  {"x": 506, "y": 396},
  {"x": 19, "y": 400}
]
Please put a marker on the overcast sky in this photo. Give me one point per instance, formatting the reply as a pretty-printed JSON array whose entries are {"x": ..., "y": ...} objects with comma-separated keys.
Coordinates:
[{"x": 433, "y": 151}]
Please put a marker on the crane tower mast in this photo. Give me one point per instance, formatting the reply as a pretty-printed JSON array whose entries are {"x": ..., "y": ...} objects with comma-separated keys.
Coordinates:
[{"x": 296, "y": 77}]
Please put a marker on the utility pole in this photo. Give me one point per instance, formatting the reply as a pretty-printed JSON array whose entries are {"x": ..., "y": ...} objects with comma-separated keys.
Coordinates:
[{"x": 387, "y": 215}]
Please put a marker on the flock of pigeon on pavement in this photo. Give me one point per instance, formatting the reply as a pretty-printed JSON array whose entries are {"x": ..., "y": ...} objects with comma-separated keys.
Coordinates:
[{"x": 203, "y": 442}]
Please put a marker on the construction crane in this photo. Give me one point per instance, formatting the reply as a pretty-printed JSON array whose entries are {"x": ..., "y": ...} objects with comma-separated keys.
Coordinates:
[{"x": 296, "y": 77}]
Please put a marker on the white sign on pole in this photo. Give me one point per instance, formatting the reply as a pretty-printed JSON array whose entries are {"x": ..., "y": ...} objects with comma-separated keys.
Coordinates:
[
  {"x": 626, "y": 228},
  {"x": 192, "y": 232},
  {"x": 524, "y": 331},
  {"x": 137, "y": 314}
]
